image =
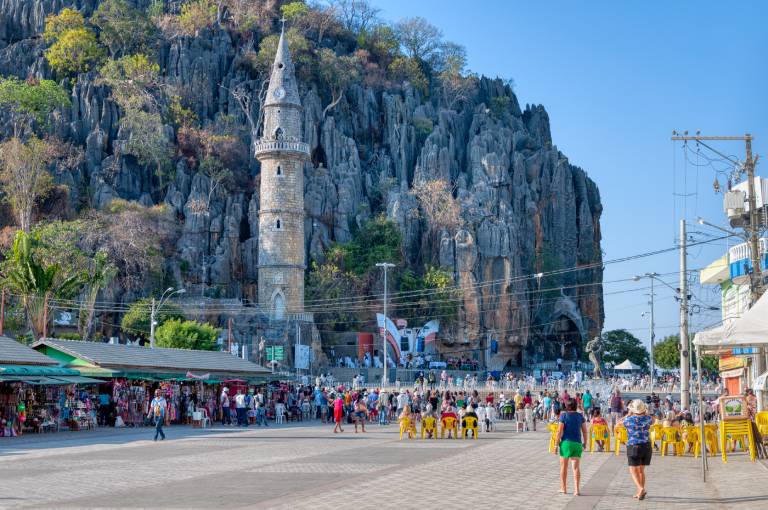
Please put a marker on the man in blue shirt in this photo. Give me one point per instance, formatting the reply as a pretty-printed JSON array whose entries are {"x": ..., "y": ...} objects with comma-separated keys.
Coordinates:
[{"x": 157, "y": 413}]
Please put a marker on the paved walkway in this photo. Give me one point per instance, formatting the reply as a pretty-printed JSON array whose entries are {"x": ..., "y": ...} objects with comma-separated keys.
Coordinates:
[{"x": 309, "y": 467}]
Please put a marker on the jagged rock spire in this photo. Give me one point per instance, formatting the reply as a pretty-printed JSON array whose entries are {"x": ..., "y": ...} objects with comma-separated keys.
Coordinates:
[{"x": 282, "y": 83}]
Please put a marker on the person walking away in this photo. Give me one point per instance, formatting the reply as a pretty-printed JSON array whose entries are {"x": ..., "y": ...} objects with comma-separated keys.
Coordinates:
[
  {"x": 639, "y": 451},
  {"x": 338, "y": 413},
  {"x": 226, "y": 413},
  {"x": 240, "y": 409},
  {"x": 572, "y": 439},
  {"x": 361, "y": 413},
  {"x": 157, "y": 413},
  {"x": 490, "y": 416},
  {"x": 617, "y": 408},
  {"x": 587, "y": 401}
]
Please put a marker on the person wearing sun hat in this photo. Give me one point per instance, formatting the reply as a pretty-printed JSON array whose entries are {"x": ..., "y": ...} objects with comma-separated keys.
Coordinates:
[{"x": 639, "y": 450}]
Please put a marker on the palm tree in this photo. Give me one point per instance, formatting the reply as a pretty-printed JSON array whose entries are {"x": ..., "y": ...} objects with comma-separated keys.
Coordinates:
[
  {"x": 100, "y": 275},
  {"x": 37, "y": 284}
]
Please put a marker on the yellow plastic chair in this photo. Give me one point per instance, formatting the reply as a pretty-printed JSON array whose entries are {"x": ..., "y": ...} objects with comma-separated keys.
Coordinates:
[
  {"x": 449, "y": 423},
  {"x": 692, "y": 440},
  {"x": 710, "y": 439},
  {"x": 737, "y": 431},
  {"x": 619, "y": 437},
  {"x": 470, "y": 423},
  {"x": 429, "y": 424},
  {"x": 600, "y": 433},
  {"x": 670, "y": 436},
  {"x": 761, "y": 420},
  {"x": 406, "y": 426},
  {"x": 552, "y": 428},
  {"x": 655, "y": 433}
]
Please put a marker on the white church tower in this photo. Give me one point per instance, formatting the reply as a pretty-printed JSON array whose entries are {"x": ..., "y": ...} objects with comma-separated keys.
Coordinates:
[{"x": 282, "y": 154}]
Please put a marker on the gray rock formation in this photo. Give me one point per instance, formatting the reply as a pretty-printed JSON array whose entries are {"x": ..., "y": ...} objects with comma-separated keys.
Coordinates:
[{"x": 525, "y": 209}]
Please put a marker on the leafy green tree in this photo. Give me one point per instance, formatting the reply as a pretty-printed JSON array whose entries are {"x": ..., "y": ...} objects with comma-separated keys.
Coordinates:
[
  {"x": 75, "y": 51},
  {"x": 197, "y": 15},
  {"x": 147, "y": 141},
  {"x": 620, "y": 344},
  {"x": 666, "y": 354},
  {"x": 123, "y": 28},
  {"x": 329, "y": 281},
  {"x": 294, "y": 10},
  {"x": 337, "y": 73},
  {"x": 57, "y": 24},
  {"x": 135, "y": 322},
  {"x": 419, "y": 38},
  {"x": 135, "y": 82},
  {"x": 377, "y": 240},
  {"x": 37, "y": 283},
  {"x": 24, "y": 175},
  {"x": 429, "y": 296},
  {"x": 31, "y": 100},
  {"x": 405, "y": 69},
  {"x": 179, "y": 334}
]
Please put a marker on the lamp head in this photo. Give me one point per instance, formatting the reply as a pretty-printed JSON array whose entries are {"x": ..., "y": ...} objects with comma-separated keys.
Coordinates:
[{"x": 636, "y": 278}]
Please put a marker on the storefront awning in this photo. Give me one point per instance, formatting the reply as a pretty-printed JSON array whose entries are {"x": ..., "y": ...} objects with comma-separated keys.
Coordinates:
[
  {"x": 78, "y": 379},
  {"x": 750, "y": 329}
]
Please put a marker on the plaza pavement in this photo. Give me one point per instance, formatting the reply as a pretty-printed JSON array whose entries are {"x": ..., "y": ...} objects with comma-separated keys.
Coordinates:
[{"x": 309, "y": 467}]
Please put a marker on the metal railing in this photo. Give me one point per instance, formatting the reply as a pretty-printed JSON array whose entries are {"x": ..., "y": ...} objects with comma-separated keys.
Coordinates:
[{"x": 264, "y": 146}]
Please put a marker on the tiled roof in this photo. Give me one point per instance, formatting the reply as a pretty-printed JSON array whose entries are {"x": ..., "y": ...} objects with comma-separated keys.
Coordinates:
[
  {"x": 137, "y": 357},
  {"x": 14, "y": 353}
]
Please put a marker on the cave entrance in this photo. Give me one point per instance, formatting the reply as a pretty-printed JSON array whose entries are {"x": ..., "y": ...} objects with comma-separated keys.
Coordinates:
[{"x": 563, "y": 340}]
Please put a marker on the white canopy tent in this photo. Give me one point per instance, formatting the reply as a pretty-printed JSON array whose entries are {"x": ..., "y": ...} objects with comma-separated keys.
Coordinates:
[
  {"x": 750, "y": 329},
  {"x": 626, "y": 365}
]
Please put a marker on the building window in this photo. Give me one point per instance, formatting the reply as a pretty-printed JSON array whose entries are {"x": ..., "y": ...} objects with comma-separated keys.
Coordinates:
[
  {"x": 279, "y": 170},
  {"x": 277, "y": 224},
  {"x": 279, "y": 133}
]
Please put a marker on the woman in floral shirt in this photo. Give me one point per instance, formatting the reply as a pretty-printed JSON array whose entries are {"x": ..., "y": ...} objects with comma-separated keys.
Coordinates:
[{"x": 639, "y": 449}]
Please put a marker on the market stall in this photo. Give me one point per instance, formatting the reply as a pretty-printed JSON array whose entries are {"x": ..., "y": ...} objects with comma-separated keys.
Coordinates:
[
  {"x": 189, "y": 380},
  {"x": 38, "y": 396}
]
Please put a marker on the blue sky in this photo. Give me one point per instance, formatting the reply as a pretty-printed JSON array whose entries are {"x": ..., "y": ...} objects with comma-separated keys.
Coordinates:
[{"x": 616, "y": 79}]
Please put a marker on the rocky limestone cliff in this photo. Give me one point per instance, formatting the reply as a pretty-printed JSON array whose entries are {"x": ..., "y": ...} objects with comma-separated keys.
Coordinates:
[{"x": 525, "y": 208}]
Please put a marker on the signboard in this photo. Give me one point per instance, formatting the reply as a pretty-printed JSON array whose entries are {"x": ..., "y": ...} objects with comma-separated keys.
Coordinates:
[
  {"x": 731, "y": 362},
  {"x": 275, "y": 353},
  {"x": 733, "y": 408},
  {"x": 301, "y": 357}
]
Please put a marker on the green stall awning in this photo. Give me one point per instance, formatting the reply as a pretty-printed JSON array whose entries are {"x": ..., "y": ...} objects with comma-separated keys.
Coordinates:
[{"x": 35, "y": 371}]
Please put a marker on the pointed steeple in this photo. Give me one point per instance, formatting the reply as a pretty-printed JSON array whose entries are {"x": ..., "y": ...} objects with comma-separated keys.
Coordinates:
[{"x": 282, "y": 83}]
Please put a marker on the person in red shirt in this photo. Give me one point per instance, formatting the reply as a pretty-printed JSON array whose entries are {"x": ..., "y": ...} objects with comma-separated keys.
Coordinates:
[
  {"x": 527, "y": 400},
  {"x": 489, "y": 398}
]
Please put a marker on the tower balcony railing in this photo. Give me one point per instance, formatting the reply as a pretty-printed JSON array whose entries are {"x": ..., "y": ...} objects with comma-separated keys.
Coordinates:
[{"x": 265, "y": 146}]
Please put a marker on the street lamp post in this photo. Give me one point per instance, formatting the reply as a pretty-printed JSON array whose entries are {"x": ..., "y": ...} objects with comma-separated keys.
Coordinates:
[
  {"x": 154, "y": 309},
  {"x": 385, "y": 266},
  {"x": 652, "y": 332}
]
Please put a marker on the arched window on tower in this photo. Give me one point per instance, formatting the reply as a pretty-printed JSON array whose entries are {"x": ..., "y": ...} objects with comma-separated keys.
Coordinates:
[
  {"x": 278, "y": 225},
  {"x": 278, "y": 306},
  {"x": 279, "y": 133},
  {"x": 279, "y": 170}
]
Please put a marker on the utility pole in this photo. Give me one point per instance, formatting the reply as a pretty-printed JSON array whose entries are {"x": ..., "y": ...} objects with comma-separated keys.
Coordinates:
[
  {"x": 152, "y": 325},
  {"x": 384, "y": 378},
  {"x": 685, "y": 376},
  {"x": 653, "y": 337},
  {"x": 653, "y": 277},
  {"x": 753, "y": 228},
  {"x": 2, "y": 310}
]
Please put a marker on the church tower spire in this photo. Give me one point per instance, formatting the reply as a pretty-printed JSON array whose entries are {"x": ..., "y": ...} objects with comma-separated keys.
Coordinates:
[{"x": 282, "y": 154}]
